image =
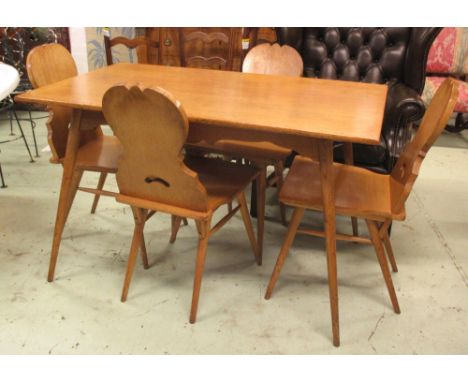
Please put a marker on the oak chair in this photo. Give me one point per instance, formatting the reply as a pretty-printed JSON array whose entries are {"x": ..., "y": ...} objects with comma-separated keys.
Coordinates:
[
  {"x": 377, "y": 198},
  {"x": 153, "y": 176},
  {"x": 262, "y": 59},
  {"x": 140, "y": 44},
  {"x": 50, "y": 63}
]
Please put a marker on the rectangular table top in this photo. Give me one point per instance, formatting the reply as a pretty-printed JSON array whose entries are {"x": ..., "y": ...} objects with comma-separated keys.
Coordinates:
[{"x": 316, "y": 108}]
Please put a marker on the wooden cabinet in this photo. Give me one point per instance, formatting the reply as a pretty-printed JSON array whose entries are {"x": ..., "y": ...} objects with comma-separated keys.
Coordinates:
[{"x": 174, "y": 46}]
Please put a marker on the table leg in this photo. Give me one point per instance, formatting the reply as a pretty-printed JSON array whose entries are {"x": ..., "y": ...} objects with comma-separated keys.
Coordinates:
[
  {"x": 65, "y": 189},
  {"x": 325, "y": 149}
]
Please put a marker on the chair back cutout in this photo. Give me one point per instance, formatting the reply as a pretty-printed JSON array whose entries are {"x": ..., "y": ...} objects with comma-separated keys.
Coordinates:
[
  {"x": 434, "y": 121},
  {"x": 152, "y": 127}
]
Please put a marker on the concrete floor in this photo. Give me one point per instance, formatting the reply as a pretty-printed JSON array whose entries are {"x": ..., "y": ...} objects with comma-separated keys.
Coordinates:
[{"x": 81, "y": 313}]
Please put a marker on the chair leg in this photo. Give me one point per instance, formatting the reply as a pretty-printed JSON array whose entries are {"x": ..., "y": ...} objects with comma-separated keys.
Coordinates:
[
  {"x": 296, "y": 218},
  {"x": 248, "y": 224},
  {"x": 144, "y": 254},
  {"x": 375, "y": 238},
  {"x": 102, "y": 180},
  {"x": 279, "y": 169},
  {"x": 203, "y": 233},
  {"x": 388, "y": 247},
  {"x": 175, "y": 225},
  {"x": 261, "y": 189},
  {"x": 140, "y": 220}
]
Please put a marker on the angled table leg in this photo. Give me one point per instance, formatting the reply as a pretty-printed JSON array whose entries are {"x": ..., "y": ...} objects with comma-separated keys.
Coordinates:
[
  {"x": 325, "y": 149},
  {"x": 65, "y": 189}
]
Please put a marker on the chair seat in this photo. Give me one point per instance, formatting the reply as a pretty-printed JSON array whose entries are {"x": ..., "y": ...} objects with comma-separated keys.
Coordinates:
[
  {"x": 254, "y": 151},
  {"x": 101, "y": 154},
  {"x": 222, "y": 180},
  {"x": 433, "y": 83},
  {"x": 302, "y": 189}
]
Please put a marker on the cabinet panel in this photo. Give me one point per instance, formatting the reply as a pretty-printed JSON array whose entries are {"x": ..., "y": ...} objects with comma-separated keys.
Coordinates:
[{"x": 169, "y": 50}]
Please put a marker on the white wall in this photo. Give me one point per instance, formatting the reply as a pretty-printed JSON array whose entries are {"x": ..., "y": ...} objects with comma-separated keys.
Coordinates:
[{"x": 78, "y": 48}]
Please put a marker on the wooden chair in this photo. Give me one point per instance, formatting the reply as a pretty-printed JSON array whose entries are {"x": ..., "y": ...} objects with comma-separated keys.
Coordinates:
[
  {"x": 51, "y": 63},
  {"x": 377, "y": 198},
  {"x": 152, "y": 175},
  {"x": 262, "y": 59},
  {"x": 140, "y": 44}
]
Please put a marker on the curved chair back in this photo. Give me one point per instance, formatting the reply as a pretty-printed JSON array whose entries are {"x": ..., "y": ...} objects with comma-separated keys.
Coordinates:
[
  {"x": 152, "y": 127},
  {"x": 47, "y": 64},
  {"x": 273, "y": 59},
  {"x": 435, "y": 119}
]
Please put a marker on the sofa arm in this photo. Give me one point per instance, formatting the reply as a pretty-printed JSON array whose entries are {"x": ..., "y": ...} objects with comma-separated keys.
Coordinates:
[{"x": 403, "y": 106}]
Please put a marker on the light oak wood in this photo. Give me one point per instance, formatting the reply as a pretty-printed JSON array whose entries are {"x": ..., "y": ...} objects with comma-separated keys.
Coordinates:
[
  {"x": 140, "y": 220},
  {"x": 273, "y": 59},
  {"x": 154, "y": 175},
  {"x": 262, "y": 59},
  {"x": 102, "y": 180},
  {"x": 359, "y": 192},
  {"x": 337, "y": 110},
  {"x": 292, "y": 229},
  {"x": 327, "y": 182},
  {"x": 219, "y": 106},
  {"x": 349, "y": 159},
  {"x": 52, "y": 63},
  {"x": 48, "y": 64},
  {"x": 375, "y": 237}
]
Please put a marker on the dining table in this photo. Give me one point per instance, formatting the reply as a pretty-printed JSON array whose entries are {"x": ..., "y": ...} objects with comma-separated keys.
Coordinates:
[{"x": 304, "y": 114}]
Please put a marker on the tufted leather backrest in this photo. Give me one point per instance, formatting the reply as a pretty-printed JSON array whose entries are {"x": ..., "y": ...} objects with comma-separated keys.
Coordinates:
[
  {"x": 377, "y": 55},
  {"x": 355, "y": 54}
]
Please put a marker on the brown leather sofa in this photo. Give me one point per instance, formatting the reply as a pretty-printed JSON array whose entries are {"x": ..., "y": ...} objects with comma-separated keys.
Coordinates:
[{"x": 393, "y": 56}]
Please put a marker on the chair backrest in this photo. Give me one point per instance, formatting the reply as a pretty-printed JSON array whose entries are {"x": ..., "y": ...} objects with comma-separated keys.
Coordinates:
[
  {"x": 435, "y": 119},
  {"x": 207, "y": 50},
  {"x": 140, "y": 44},
  {"x": 273, "y": 59},
  {"x": 47, "y": 64},
  {"x": 152, "y": 127}
]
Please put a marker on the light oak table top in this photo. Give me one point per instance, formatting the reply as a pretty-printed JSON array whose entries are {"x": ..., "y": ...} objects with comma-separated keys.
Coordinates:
[{"x": 315, "y": 108}]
